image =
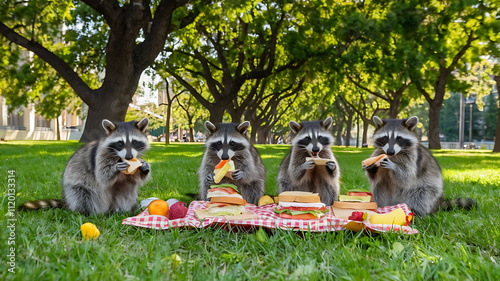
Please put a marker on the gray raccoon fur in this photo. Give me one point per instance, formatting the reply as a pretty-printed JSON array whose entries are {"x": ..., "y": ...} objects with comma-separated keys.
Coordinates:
[
  {"x": 229, "y": 141},
  {"x": 93, "y": 182},
  {"x": 295, "y": 174},
  {"x": 410, "y": 175}
]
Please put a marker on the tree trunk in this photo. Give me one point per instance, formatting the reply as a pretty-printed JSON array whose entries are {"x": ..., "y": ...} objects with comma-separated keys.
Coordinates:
[
  {"x": 348, "y": 131},
  {"x": 58, "y": 132},
  {"x": 191, "y": 133},
  {"x": 394, "y": 108},
  {"x": 366, "y": 125},
  {"x": 434, "y": 110},
  {"x": 496, "y": 148},
  {"x": 167, "y": 123}
]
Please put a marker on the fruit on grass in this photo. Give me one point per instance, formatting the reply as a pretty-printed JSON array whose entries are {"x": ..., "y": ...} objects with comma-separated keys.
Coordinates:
[
  {"x": 266, "y": 199},
  {"x": 158, "y": 207},
  {"x": 397, "y": 216},
  {"x": 178, "y": 210},
  {"x": 89, "y": 231}
]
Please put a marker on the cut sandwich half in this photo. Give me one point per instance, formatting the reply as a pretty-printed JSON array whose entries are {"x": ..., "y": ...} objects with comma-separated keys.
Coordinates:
[
  {"x": 225, "y": 168},
  {"x": 300, "y": 205}
]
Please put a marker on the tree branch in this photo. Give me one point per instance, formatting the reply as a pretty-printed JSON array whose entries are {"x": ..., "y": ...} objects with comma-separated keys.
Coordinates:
[{"x": 73, "y": 79}]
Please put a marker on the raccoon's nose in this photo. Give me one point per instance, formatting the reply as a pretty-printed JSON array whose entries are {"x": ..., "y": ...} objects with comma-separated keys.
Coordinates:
[
  {"x": 129, "y": 156},
  {"x": 390, "y": 151},
  {"x": 315, "y": 149},
  {"x": 224, "y": 156}
]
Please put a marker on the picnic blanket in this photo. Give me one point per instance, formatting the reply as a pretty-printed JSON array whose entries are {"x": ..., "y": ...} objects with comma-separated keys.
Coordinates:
[{"x": 266, "y": 218}]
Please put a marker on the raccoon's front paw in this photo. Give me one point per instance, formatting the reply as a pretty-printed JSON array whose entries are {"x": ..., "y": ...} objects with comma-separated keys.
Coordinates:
[
  {"x": 145, "y": 167},
  {"x": 237, "y": 175},
  {"x": 121, "y": 166},
  {"x": 210, "y": 178},
  {"x": 331, "y": 165},
  {"x": 308, "y": 165},
  {"x": 388, "y": 164}
]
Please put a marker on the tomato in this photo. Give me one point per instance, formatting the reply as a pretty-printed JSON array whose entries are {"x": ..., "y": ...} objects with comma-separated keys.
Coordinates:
[
  {"x": 356, "y": 193},
  {"x": 223, "y": 189},
  {"x": 221, "y": 164}
]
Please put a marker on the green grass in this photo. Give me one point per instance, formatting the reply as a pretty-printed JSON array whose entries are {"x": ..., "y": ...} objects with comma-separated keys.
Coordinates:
[{"x": 454, "y": 245}]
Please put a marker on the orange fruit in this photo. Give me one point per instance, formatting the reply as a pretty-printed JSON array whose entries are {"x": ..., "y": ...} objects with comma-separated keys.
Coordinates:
[{"x": 158, "y": 207}]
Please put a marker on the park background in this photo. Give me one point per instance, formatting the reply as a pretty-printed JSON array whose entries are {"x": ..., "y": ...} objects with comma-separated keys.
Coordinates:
[{"x": 66, "y": 65}]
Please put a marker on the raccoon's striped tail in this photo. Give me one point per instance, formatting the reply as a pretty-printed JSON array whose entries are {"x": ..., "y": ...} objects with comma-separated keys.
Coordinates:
[
  {"x": 457, "y": 203},
  {"x": 41, "y": 204}
]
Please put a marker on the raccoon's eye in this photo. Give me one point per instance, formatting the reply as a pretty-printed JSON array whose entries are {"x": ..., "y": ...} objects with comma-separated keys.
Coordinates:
[
  {"x": 320, "y": 137},
  {"x": 307, "y": 138},
  {"x": 134, "y": 142},
  {"x": 232, "y": 143},
  {"x": 398, "y": 138},
  {"x": 120, "y": 143},
  {"x": 219, "y": 143}
]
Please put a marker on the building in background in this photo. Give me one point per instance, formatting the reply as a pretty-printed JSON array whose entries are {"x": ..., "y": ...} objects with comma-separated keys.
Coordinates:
[{"x": 25, "y": 124}]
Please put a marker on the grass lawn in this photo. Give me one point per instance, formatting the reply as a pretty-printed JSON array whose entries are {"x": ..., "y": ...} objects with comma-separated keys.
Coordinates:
[{"x": 456, "y": 245}]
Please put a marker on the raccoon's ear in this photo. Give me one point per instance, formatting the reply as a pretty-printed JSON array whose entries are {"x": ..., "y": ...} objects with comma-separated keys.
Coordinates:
[
  {"x": 378, "y": 122},
  {"x": 210, "y": 127},
  {"x": 295, "y": 126},
  {"x": 411, "y": 123},
  {"x": 143, "y": 125},
  {"x": 108, "y": 126},
  {"x": 327, "y": 123},
  {"x": 243, "y": 127}
]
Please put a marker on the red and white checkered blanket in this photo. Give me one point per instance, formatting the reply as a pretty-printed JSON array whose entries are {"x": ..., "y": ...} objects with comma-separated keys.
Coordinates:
[{"x": 267, "y": 218}]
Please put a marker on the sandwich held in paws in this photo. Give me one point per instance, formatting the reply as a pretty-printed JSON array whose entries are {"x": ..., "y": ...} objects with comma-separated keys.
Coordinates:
[{"x": 300, "y": 205}]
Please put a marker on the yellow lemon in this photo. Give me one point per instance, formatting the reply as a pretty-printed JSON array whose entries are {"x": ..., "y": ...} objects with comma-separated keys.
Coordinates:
[{"x": 89, "y": 231}]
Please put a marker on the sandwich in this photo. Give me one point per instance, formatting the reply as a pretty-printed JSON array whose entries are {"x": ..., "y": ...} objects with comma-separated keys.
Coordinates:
[
  {"x": 372, "y": 160},
  {"x": 225, "y": 200},
  {"x": 225, "y": 168},
  {"x": 356, "y": 199},
  {"x": 134, "y": 164},
  {"x": 300, "y": 205},
  {"x": 318, "y": 161}
]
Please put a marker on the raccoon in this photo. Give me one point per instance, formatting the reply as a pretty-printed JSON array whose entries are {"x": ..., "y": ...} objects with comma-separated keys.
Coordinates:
[
  {"x": 311, "y": 139},
  {"x": 229, "y": 141},
  {"x": 93, "y": 182},
  {"x": 410, "y": 174}
]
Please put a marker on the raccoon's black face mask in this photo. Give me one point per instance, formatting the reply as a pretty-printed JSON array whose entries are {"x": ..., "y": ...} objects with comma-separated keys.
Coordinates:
[
  {"x": 227, "y": 139},
  {"x": 394, "y": 135},
  {"x": 127, "y": 139},
  {"x": 312, "y": 135}
]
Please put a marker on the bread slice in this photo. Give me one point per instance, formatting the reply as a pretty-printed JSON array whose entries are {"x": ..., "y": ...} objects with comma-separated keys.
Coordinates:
[
  {"x": 355, "y": 205},
  {"x": 134, "y": 164},
  {"x": 229, "y": 200},
  {"x": 372, "y": 160},
  {"x": 299, "y": 196},
  {"x": 318, "y": 161}
]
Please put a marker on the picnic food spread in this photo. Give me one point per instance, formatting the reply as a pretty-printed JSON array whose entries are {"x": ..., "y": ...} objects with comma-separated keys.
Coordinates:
[{"x": 300, "y": 205}]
